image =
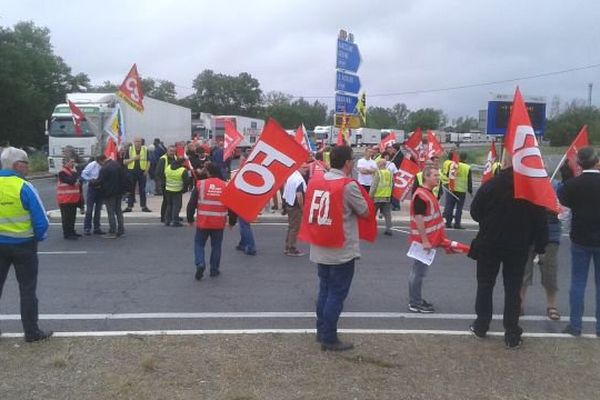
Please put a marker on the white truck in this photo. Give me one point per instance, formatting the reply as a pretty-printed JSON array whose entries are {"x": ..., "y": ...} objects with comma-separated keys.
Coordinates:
[
  {"x": 328, "y": 135},
  {"x": 368, "y": 136},
  {"x": 250, "y": 128},
  {"x": 169, "y": 122}
]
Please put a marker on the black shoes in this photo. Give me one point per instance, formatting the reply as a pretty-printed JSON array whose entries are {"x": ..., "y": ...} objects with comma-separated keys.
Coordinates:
[
  {"x": 128, "y": 209},
  {"x": 337, "y": 346},
  {"x": 146, "y": 209},
  {"x": 99, "y": 232},
  {"x": 199, "y": 274},
  {"x": 572, "y": 331},
  {"x": 477, "y": 334},
  {"x": 514, "y": 344},
  {"x": 214, "y": 274},
  {"x": 424, "y": 308},
  {"x": 456, "y": 226},
  {"x": 38, "y": 336},
  {"x": 388, "y": 233}
]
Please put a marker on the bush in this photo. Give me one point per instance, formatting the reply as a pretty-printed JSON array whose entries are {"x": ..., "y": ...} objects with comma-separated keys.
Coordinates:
[{"x": 38, "y": 162}]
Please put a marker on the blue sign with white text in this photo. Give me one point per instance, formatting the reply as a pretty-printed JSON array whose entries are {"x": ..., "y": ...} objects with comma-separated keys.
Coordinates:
[
  {"x": 348, "y": 57},
  {"x": 345, "y": 103},
  {"x": 347, "y": 82}
]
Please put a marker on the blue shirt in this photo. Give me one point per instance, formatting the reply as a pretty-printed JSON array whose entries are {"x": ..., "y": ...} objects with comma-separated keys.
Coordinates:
[
  {"x": 91, "y": 171},
  {"x": 31, "y": 201}
]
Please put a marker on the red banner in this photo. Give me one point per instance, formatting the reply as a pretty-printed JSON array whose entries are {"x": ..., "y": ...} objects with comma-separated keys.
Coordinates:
[
  {"x": 404, "y": 178},
  {"x": 389, "y": 140},
  {"x": 131, "y": 90},
  {"x": 580, "y": 141},
  {"x": 78, "y": 117},
  {"x": 530, "y": 176},
  {"x": 232, "y": 139},
  {"x": 414, "y": 146},
  {"x": 434, "y": 148},
  {"x": 111, "y": 150},
  {"x": 272, "y": 160},
  {"x": 491, "y": 159},
  {"x": 453, "y": 170}
]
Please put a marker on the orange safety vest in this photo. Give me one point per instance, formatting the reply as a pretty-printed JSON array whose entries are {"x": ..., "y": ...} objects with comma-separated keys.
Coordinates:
[
  {"x": 65, "y": 193},
  {"x": 434, "y": 222},
  {"x": 211, "y": 212}
]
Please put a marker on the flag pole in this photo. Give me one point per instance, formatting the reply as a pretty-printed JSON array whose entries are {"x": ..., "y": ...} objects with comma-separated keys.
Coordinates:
[
  {"x": 450, "y": 193},
  {"x": 559, "y": 165}
]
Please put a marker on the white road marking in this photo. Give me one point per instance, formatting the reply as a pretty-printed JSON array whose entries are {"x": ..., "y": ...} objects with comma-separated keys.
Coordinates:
[
  {"x": 62, "y": 252},
  {"x": 289, "y": 331},
  {"x": 266, "y": 315}
]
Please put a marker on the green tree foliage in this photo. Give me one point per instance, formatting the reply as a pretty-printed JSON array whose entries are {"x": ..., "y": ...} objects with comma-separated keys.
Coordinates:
[
  {"x": 224, "y": 94},
  {"x": 425, "y": 118},
  {"x": 291, "y": 113},
  {"x": 401, "y": 113},
  {"x": 32, "y": 81},
  {"x": 106, "y": 87},
  {"x": 380, "y": 118},
  {"x": 465, "y": 124},
  {"x": 562, "y": 129}
]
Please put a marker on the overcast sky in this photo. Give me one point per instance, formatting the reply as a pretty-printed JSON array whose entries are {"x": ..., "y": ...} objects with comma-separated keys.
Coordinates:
[{"x": 290, "y": 45}]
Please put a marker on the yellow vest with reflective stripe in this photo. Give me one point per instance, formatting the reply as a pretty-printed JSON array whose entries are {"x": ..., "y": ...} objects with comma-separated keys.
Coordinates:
[
  {"x": 326, "y": 158},
  {"x": 384, "y": 187},
  {"x": 15, "y": 221},
  {"x": 143, "y": 157},
  {"x": 174, "y": 179},
  {"x": 435, "y": 191},
  {"x": 462, "y": 177}
]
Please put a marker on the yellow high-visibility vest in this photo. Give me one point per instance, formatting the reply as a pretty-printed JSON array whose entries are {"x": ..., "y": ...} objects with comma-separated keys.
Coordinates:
[
  {"x": 15, "y": 220},
  {"x": 143, "y": 157},
  {"x": 174, "y": 179},
  {"x": 384, "y": 187},
  {"x": 462, "y": 178}
]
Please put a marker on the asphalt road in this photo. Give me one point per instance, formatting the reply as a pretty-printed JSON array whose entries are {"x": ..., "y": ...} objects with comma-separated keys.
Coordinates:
[{"x": 150, "y": 271}]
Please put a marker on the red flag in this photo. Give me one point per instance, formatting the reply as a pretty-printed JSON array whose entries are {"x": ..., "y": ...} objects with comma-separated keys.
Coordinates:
[
  {"x": 180, "y": 150},
  {"x": 491, "y": 159},
  {"x": 111, "y": 150},
  {"x": 414, "y": 146},
  {"x": 452, "y": 171},
  {"x": 454, "y": 247},
  {"x": 78, "y": 117},
  {"x": 131, "y": 90},
  {"x": 232, "y": 139},
  {"x": 580, "y": 141},
  {"x": 404, "y": 178},
  {"x": 530, "y": 176},
  {"x": 389, "y": 140},
  {"x": 274, "y": 157},
  {"x": 301, "y": 137},
  {"x": 434, "y": 148}
]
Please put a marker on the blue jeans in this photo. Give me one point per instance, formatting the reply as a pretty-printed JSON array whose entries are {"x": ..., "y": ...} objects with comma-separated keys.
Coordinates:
[
  {"x": 451, "y": 202},
  {"x": 334, "y": 285},
  {"x": 580, "y": 265},
  {"x": 415, "y": 282},
  {"x": 93, "y": 206},
  {"x": 216, "y": 240},
  {"x": 246, "y": 237}
]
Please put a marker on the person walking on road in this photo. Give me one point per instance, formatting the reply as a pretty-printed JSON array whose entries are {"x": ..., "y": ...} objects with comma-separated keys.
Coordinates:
[
  {"x": 137, "y": 163},
  {"x": 68, "y": 197},
  {"x": 94, "y": 200},
  {"x": 293, "y": 198},
  {"x": 582, "y": 195},
  {"x": 330, "y": 224},
  {"x": 507, "y": 229},
  {"x": 113, "y": 182},
  {"x": 23, "y": 223},
  {"x": 211, "y": 218}
]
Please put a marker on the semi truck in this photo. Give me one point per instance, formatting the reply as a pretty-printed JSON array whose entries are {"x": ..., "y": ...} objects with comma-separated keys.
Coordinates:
[
  {"x": 250, "y": 128},
  {"x": 168, "y": 122}
]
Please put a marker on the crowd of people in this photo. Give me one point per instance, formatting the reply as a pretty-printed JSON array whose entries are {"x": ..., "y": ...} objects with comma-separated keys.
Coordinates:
[{"x": 513, "y": 234}]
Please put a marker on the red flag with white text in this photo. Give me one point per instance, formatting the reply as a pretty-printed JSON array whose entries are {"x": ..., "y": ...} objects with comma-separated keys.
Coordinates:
[
  {"x": 78, "y": 117},
  {"x": 232, "y": 139},
  {"x": 453, "y": 170},
  {"x": 274, "y": 157},
  {"x": 131, "y": 90},
  {"x": 414, "y": 146},
  {"x": 434, "y": 148},
  {"x": 489, "y": 163},
  {"x": 581, "y": 140},
  {"x": 387, "y": 141},
  {"x": 404, "y": 178},
  {"x": 530, "y": 177}
]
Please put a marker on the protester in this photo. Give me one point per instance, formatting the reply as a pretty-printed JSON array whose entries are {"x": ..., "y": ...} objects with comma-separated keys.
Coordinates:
[
  {"x": 582, "y": 195},
  {"x": 293, "y": 200},
  {"x": 137, "y": 164},
  {"x": 381, "y": 193},
  {"x": 23, "y": 223},
  {"x": 334, "y": 237},
  {"x": 161, "y": 167},
  {"x": 463, "y": 184},
  {"x": 68, "y": 197},
  {"x": 507, "y": 228},
  {"x": 205, "y": 201},
  {"x": 159, "y": 151},
  {"x": 437, "y": 191},
  {"x": 177, "y": 180},
  {"x": 366, "y": 167},
  {"x": 93, "y": 200},
  {"x": 216, "y": 156},
  {"x": 113, "y": 183}
]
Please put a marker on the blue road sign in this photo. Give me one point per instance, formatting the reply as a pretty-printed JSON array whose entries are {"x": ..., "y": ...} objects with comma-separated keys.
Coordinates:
[
  {"x": 347, "y": 82},
  {"x": 345, "y": 103},
  {"x": 348, "y": 57}
]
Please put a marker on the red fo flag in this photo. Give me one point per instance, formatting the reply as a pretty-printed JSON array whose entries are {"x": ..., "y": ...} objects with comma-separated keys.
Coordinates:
[
  {"x": 386, "y": 142},
  {"x": 131, "y": 90},
  {"x": 272, "y": 160},
  {"x": 111, "y": 150},
  {"x": 453, "y": 170},
  {"x": 414, "y": 146},
  {"x": 434, "y": 148},
  {"x": 232, "y": 139},
  {"x": 491, "y": 159},
  {"x": 301, "y": 137},
  {"x": 78, "y": 117},
  {"x": 454, "y": 247},
  {"x": 530, "y": 176},
  {"x": 403, "y": 179},
  {"x": 580, "y": 141}
]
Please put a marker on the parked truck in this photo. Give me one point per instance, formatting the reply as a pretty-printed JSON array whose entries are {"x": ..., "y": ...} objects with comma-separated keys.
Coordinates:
[
  {"x": 250, "y": 128},
  {"x": 368, "y": 136},
  {"x": 169, "y": 122}
]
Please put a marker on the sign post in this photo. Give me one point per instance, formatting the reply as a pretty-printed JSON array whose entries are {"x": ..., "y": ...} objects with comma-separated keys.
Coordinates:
[{"x": 347, "y": 82}]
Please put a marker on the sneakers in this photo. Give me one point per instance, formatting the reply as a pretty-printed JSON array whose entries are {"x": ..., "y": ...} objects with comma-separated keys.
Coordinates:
[
  {"x": 423, "y": 308},
  {"x": 38, "y": 336},
  {"x": 294, "y": 252},
  {"x": 110, "y": 236},
  {"x": 337, "y": 346},
  {"x": 475, "y": 333},
  {"x": 572, "y": 331}
]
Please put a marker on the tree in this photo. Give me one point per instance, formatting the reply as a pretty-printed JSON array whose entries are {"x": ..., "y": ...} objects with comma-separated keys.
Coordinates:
[
  {"x": 465, "y": 124},
  {"x": 381, "y": 118},
  {"x": 425, "y": 118},
  {"x": 106, "y": 87},
  {"x": 562, "y": 129},
  {"x": 401, "y": 113},
  {"x": 291, "y": 113}
]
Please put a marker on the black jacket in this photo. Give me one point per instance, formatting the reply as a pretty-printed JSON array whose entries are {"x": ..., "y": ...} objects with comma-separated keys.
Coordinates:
[
  {"x": 506, "y": 223},
  {"x": 582, "y": 196},
  {"x": 112, "y": 179}
]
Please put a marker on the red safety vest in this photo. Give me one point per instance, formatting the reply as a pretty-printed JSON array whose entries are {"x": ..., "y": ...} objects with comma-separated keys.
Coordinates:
[
  {"x": 211, "y": 213},
  {"x": 434, "y": 222},
  {"x": 65, "y": 193},
  {"x": 323, "y": 214}
]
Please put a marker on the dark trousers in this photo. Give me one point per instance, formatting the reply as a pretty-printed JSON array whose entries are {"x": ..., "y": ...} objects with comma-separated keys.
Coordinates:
[
  {"x": 216, "y": 241},
  {"x": 451, "y": 203},
  {"x": 163, "y": 203},
  {"x": 93, "y": 207},
  {"x": 115, "y": 214},
  {"x": 68, "y": 213},
  {"x": 137, "y": 176},
  {"x": 173, "y": 206},
  {"x": 25, "y": 260},
  {"x": 334, "y": 285},
  {"x": 513, "y": 267}
]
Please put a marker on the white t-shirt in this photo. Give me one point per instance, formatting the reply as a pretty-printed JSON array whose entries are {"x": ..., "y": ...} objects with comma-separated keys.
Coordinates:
[{"x": 363, "y": 163}]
